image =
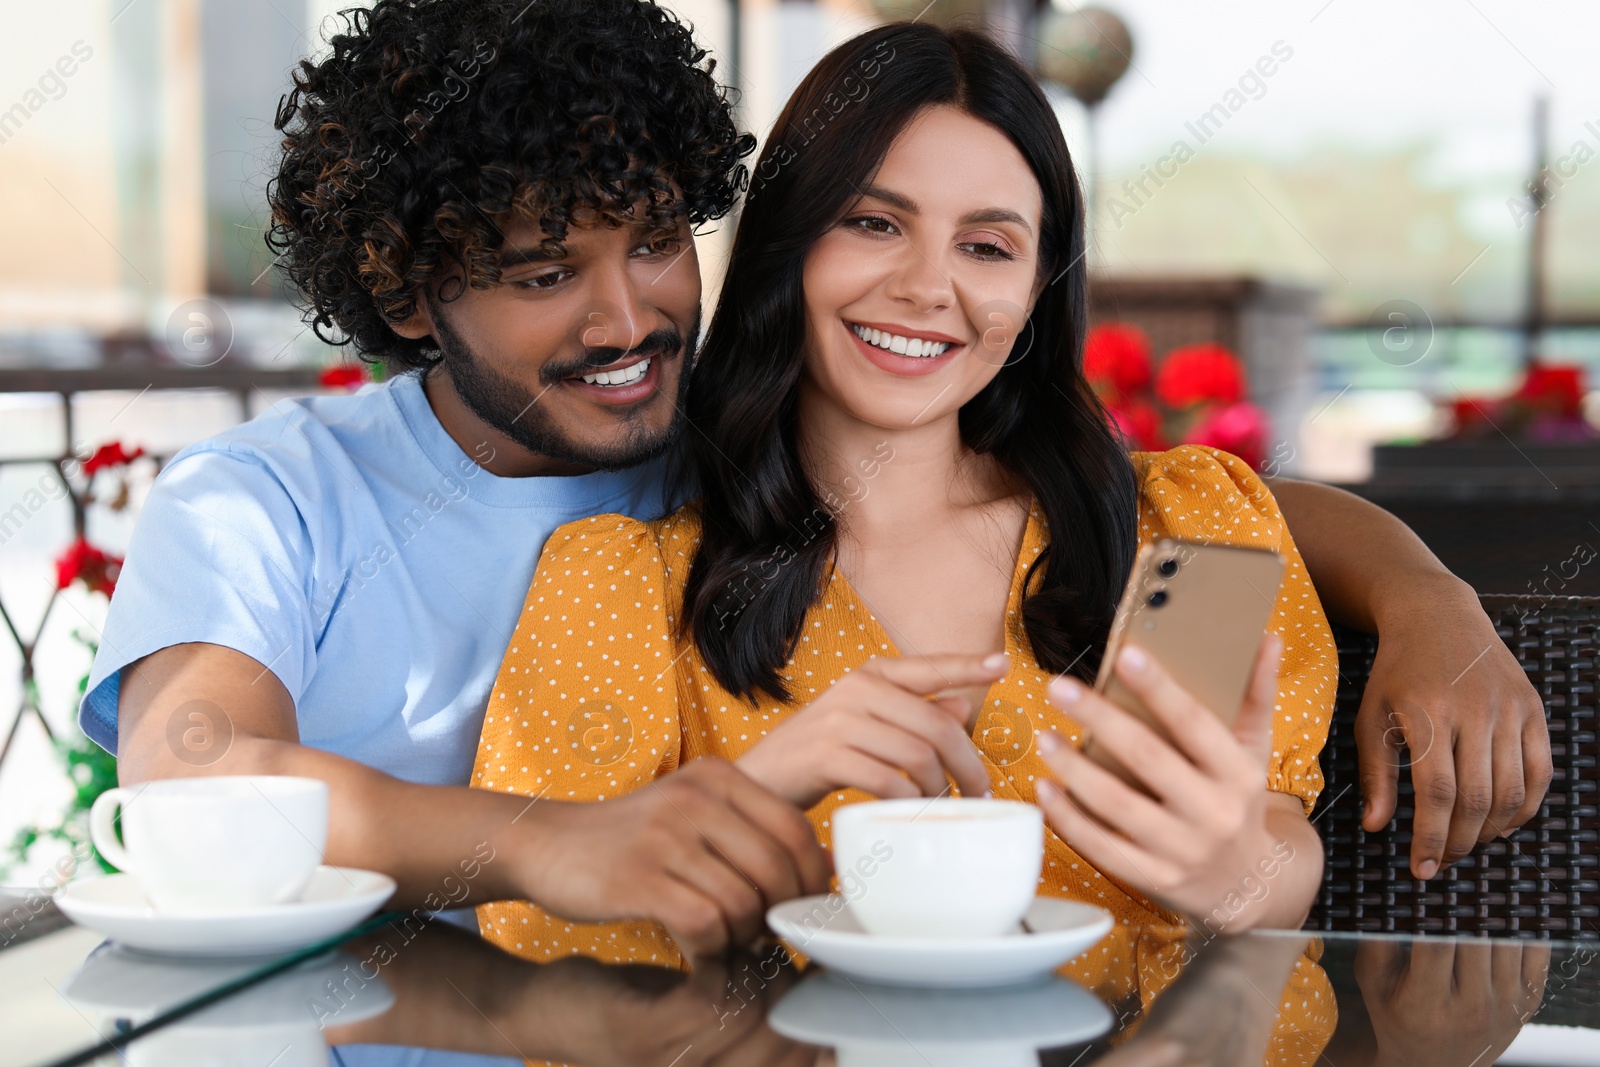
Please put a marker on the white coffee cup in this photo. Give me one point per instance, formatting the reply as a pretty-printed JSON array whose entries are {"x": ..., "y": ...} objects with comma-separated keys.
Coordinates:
[
  {"x": 946, "y": 867},
  {"x": 212, "y": 844}
]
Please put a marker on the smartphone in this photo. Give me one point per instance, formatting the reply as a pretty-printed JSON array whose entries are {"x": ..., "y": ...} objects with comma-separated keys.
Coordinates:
[{"x": 1199, "y": 610}]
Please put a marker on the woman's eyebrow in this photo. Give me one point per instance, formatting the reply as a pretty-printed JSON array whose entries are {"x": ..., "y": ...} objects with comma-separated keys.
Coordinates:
[
  {"x": 909, "y": 206},
  {"x": 995, "y": 214}
]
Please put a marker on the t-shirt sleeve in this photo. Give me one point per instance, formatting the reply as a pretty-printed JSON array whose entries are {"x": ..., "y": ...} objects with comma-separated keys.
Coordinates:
[
  {"x": 584, "y": 706},
  {"x": 219, "y": 554},
  {"x": 1202, "y": 494}
]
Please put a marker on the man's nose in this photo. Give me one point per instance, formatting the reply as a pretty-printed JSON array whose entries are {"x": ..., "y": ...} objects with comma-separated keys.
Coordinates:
[{"x": 618, "y": 316}]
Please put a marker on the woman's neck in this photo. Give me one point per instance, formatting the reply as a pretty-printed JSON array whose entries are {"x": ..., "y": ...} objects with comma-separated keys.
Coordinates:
[{"x": 888, "y": 480}]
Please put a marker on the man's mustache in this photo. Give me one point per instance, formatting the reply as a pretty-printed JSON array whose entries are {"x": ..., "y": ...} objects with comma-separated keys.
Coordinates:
[{"x": 657, "y": 342}]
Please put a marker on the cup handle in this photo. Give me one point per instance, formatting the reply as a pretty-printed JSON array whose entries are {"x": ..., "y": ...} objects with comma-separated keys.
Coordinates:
[{"x": 103, "y": 830}]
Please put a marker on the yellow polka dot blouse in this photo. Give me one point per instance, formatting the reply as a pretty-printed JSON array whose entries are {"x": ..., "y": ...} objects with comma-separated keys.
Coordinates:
[{"x": 595, "y": 697}]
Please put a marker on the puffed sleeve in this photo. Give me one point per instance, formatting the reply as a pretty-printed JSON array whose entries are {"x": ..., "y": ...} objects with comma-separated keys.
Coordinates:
[
  {"x": 1202, "y": 494},
  {"x": 584, "y": 706}
]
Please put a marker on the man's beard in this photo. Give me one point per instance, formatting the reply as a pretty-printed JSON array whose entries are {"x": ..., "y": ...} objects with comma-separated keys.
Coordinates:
[{"x": 510, "y": 407}]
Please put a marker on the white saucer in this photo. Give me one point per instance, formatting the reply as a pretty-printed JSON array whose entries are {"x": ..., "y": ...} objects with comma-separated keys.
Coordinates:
[
  {"x": 1062, "y": 930},
  {"x": 337, "y": 899},
  {"x": 883, "y": 1024}
]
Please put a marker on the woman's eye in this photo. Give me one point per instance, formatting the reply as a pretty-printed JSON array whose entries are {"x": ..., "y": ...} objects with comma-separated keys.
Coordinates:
[
  {"x": 870, "y": 224},
  {"x": 986, "y": 250}
]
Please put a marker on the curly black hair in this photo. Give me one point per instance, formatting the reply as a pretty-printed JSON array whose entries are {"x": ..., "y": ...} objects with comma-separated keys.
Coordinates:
[{"x": 433, "y": 122}]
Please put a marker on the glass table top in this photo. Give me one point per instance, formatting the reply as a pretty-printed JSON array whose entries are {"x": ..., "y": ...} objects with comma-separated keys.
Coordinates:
[{"x": 397, "y": 991}]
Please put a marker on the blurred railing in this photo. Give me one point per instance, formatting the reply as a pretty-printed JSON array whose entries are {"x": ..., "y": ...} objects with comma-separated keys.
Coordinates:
[{"x": 240, "y": 380}]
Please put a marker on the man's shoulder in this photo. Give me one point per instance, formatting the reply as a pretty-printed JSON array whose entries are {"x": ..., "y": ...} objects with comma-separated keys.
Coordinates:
[{"x": 302, "y": 434}]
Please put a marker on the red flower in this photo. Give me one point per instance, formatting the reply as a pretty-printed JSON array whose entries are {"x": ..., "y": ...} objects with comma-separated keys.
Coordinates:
[
  {"x": 110, "y": 454},
  {"x": 344, "y": 376},
  {"x": 1473, "y": 412},
  {"x": 1116, "y": 359},
  {"x": 1238, "y": 428},
  {"x": 82, "y": 562},
  {"x": 1139, "y": 423},
  {"x": 1553, "y": 387},
  {"x": 1199, "y": 373}
]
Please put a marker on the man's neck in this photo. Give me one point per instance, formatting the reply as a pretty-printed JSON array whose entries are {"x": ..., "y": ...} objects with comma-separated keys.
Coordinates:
[{"x": 490, "y": 449}]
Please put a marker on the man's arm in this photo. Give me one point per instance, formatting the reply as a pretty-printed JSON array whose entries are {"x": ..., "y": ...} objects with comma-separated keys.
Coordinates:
[
  {"x": 1367, "y": 565},
  {"x": 624, "y": 858},
  {"x": 1443, "y": 685}
]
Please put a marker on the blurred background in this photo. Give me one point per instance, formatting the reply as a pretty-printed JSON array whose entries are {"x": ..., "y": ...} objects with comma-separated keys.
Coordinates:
[{"x": 1350, "y": 240}]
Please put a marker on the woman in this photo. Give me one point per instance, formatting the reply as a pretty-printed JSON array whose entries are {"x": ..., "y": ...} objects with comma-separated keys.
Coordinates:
[{"x": 892, "y": 389}]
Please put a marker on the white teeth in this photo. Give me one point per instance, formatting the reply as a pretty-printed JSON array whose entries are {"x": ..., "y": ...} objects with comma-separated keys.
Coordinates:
[
  {"x": 905, "y": 346},
  {"x": 626, "y": 376}
]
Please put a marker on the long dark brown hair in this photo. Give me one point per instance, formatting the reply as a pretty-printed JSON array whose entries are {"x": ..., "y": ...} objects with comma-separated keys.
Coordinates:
[{"x": 767, "y": 537}]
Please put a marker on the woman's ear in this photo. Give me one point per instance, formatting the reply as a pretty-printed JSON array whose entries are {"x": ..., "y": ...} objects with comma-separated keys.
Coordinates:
[{"x": 1038, "y": 289}]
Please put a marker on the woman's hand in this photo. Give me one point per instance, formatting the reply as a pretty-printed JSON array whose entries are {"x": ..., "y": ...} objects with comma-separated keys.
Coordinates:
[
  {"x": 1445, "y": 686},
  {"x": 1208, "y": 840},
  {"x": 875, "y": 729}
]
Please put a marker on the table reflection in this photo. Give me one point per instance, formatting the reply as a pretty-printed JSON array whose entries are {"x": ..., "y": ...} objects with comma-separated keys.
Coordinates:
[
  {"x": 442, "y": 996},
  {"x": 1443, "y": 1002},
  {"x": 281, "y": 1020}
]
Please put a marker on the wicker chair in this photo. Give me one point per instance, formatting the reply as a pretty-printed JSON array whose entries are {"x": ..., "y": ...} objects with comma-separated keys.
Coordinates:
[{"x": 1544, "y": 882}]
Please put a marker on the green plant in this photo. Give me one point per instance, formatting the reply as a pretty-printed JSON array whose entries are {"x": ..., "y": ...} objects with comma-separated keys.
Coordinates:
[
  {"x": 97, "y": 478},
  {"x": 91, "y": 770}
]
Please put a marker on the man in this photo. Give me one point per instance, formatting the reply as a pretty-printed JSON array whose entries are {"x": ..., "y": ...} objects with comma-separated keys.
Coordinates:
[{"x": 499, "y": 195}]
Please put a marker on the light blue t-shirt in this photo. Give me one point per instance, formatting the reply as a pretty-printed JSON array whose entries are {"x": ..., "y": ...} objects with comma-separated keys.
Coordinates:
[{"x": 353, "y": 548}]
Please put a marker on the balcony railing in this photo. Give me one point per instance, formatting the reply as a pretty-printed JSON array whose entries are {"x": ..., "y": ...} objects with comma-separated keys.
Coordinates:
[{"x": 241, "y": 380}]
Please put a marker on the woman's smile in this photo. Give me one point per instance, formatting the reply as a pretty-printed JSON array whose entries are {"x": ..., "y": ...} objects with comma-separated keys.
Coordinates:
[{"x": 902, "y": 350}]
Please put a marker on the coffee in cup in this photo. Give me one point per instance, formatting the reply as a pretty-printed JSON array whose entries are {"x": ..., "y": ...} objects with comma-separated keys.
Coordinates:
[
  {"x": 211, "y": 844},
  {"x": 943, "y": 867}
]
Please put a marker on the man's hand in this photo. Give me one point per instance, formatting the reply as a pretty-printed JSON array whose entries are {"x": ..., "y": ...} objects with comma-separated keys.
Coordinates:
[
  {"x": 1443, "y": 684},
  {"x": 1445, "y": 687},
  {"x": 704, "y": 851}
]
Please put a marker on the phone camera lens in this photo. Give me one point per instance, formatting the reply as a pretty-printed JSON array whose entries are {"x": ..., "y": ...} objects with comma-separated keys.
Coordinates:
[
  {"x": 1167, "y": 568},
  {"x": 1158, "y": 598}
]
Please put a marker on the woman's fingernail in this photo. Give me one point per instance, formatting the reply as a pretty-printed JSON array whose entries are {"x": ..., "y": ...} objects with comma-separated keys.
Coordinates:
[
  {"x": 1065, "y": 690},
  {"x": 1428, "y": 869},
  {"x": 1049, "y": 742},
  {"x": 995, "y": 662},
  {"x": 1132, "y": 658}
]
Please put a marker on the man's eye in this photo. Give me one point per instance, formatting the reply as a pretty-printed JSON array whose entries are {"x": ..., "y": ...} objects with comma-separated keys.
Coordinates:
[
  {"x": 663, "y": 247},
  {"x": 545, "y": 281}
]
